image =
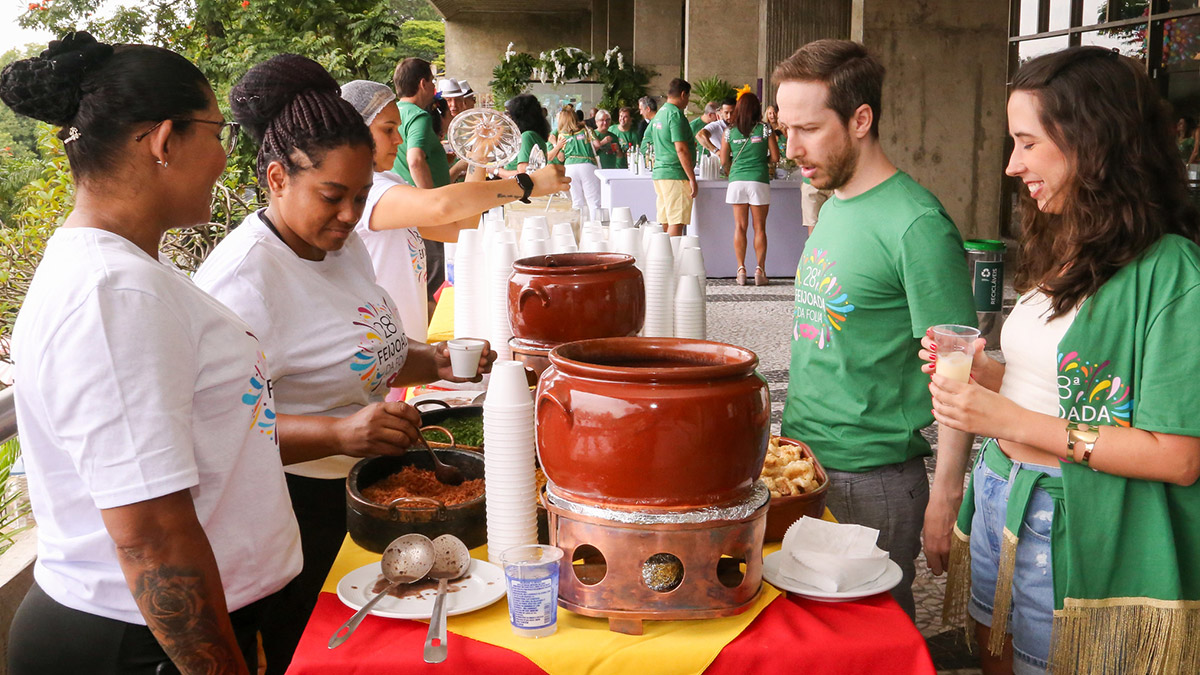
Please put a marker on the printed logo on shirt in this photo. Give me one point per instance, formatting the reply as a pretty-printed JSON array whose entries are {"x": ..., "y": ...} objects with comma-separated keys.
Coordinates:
[
  {"x": 416, "y": 253},
  {"x": 821, "y": 305},
  {"x": 1094, "y": 396},
  {"x": 260, "y": 397},
  {"x": 383, "y": 346}
]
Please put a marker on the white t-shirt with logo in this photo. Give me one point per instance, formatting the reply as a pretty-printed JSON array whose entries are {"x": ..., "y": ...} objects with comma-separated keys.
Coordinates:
[
  {"x": 398, "y": 257},
  {"x": 331, "y": 334},
  {"x": 133, "y": 384}
]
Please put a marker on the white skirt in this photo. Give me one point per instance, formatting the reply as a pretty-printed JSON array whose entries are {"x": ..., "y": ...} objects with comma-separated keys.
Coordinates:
[{"x": 749, "y": 192}]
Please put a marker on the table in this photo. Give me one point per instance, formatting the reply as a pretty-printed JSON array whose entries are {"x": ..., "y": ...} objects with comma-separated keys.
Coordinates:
[
  {"x": 712, "y": 220},
  {"x": 791, "y": 634}
]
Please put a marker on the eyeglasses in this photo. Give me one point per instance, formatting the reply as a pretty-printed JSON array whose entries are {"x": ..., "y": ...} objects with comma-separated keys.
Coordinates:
[{"x": 227, "y": 131}]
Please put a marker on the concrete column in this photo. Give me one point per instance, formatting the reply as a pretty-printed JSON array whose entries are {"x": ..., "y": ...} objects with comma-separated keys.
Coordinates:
[
  {"x": 658, "y": 40},
  {"x": 943, "y": 117},
  {"x": 722, "y": 41}
]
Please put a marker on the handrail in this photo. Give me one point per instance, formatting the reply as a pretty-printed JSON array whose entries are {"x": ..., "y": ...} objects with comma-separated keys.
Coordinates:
[{"x": 8, "y": 415}]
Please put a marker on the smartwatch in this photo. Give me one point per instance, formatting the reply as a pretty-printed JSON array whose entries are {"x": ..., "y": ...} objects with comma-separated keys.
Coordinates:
[{"x": 526, "y": 184}]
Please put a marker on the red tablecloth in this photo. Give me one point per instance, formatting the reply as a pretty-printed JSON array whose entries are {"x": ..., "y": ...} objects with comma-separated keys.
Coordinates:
[{"x": 791, "y": 635}]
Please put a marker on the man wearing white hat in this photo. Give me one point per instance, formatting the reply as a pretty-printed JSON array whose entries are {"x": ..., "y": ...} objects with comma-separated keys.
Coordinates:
[{"x": 458, "y": 95}]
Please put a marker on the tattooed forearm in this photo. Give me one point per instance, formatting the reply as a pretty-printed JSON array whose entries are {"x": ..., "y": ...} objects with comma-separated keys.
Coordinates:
[
  {"x": 177, "y": 610},
  {"x": 501, "y": 195}
]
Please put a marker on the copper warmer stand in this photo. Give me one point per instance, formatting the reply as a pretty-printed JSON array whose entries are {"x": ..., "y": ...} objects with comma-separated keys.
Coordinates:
[{"x": 721, "y": 561}]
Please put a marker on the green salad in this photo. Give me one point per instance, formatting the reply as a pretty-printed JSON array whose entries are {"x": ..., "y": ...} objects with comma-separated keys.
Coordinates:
[{"x": 467, "y": 430}]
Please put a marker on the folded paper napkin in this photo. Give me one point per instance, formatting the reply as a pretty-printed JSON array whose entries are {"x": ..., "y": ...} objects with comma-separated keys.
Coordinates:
[{"x": 831, "y": 556}]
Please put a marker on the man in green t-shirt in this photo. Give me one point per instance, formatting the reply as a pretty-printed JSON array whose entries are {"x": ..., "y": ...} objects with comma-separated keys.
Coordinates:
[
  {"x": 610, "y": 149},
  {"x": 626, "y": 134},
  {"x": 674, "y": 150},
  {"x": 421, "y": 159},
  {"x": 707, "y": 117},
  {"x": 884, "y": 264}
]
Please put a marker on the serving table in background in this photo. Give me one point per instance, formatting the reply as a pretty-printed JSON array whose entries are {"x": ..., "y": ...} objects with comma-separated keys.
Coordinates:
[{"x": 712, "y": 220}]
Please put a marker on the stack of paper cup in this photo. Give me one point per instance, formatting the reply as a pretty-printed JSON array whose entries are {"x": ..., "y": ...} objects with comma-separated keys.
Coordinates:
[
  {"x": 508, "y": 464},
  {"x": 563, "y": 243},
  {"x": 659, "y": 272},
  {"x": 622, "y": 214},
  {"x": 564, "y": 230},
  {"x": 600, "y": 215},
  {"x": 616, "y": 226},
  {"x": 690, "y": 314},
  {"x": 592, "y": 239},
  {"x": 470, "y": 288},
  {"x": 691, "y": 261},
  {"x": 535, "y": 237},
  {"x": 629, "y": 242},
  {"x": 532, "y": 247},
  {"x": 499, "y": 270},
  {"x": 649, "y": 229}
]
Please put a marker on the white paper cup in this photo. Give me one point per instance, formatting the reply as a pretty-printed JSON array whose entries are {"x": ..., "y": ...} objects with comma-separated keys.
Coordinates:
[
  {"x": 464, "y": 356},
  {"x": 508, "y": 386}
]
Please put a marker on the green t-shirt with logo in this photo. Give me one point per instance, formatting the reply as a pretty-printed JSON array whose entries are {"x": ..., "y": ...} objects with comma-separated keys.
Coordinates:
[
  {"x": 529, "y": 140},
  {"x": 611, "y": 152},
  {"x": 1130, "y": 357},
  {"x": 749, "y": 155},
  {"x": 781, "y": 140},
  {"x": 667, "y": 128},
  {"x": 624, "y": 139},
  {"x": 578, "y": 149},
  {"x": 417, "y": 132},
  {"x": 882, "y": 268}
]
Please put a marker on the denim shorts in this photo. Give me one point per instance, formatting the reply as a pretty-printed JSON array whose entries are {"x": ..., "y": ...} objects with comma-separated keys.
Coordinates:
[{"x": 1033, "y": 583}]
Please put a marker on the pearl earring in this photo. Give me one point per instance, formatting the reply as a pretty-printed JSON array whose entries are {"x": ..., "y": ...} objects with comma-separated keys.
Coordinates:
[{"x": 161, "y": 163}]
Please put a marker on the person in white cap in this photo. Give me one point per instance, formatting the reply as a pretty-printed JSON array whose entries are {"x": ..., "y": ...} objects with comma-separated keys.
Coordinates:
[{"x": 457, "y": 94}]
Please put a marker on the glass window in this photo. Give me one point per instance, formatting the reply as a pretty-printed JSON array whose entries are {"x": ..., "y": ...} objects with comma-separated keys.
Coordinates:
[
  {"x": 1173, "y": 5},
  {"x": 1029, "y": 16},
  {"x": 1101, "y": 11},
  {"x": 1129, "y": 41},
  {"x": 1029, "y": 49},
  {"x": 1060, "y": 14},
  {"x": 1181, "y": 42}
]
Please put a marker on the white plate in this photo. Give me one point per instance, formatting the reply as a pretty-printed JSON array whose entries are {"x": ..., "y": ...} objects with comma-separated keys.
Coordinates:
[
  {"x": 887, "y": 581},
  {"x": 483, "y": 585},
  {"x": 454, "y": 398}
]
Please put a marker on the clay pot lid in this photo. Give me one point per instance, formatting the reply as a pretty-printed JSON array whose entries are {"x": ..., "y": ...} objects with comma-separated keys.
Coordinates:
[
  {"x": 573, "y": 263},
  {"x": 634, "y": 359}
]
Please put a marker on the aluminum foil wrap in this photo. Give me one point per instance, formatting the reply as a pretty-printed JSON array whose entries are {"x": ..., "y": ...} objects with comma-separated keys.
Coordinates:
[{"x": 736, "y": 510}]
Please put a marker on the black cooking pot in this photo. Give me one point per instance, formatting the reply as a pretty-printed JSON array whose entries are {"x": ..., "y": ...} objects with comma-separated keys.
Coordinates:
[
  {"x": 374, "y": 526},
  {"x": 438, "y": 417}
]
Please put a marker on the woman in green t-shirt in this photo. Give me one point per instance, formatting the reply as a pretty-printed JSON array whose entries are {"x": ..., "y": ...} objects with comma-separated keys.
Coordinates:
[
  {"x": 576, "y": 147},
  {"x": 771, "y": 116},
  {"x": 526, "y": 111},
  {"x": 747, "y": 155},
  {"x": 1077, "y": 547}
]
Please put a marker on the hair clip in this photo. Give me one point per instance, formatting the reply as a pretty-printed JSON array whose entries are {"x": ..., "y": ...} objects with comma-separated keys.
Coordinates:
[{"x": 72, "y": 136}]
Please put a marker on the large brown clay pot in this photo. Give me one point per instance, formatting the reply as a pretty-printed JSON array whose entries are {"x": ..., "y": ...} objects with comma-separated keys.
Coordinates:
[
  {"x": 661, "y": 422},
  {"x": 575, "y": 296}
]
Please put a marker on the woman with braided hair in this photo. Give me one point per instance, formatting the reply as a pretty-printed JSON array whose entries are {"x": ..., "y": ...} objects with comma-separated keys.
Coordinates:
[
  {"x": 144, "y": 405},
  {"x": 299, "y": 274}
]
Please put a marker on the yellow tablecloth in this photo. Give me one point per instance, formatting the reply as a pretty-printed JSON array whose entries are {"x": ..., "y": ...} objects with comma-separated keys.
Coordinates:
[
  {"x": 441, "y": 326},
  {"x": 693, "y": 644}
]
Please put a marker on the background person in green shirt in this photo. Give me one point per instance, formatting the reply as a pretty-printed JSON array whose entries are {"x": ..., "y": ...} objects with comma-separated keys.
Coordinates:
[
  {"x": 707, "y": 117},
  {"x": 647, "y": 108},
  {"x": 526, "y": 111},
  {"x": 884, "y": 264},
  {"x": 611, "y": 148},
  {"x": 747, "y": 156},
  {"x": 576, "y": 149},
  {"x": 421, "y": 160},
  {"x": 675, "y": 147},
  {"x": 771, "y": 116}
]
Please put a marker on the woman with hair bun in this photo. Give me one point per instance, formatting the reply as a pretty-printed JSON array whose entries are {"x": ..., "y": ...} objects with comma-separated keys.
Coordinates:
[
  {"x": 299, "y": 274},
  {"x": 1077, "y": 548},
  {"x": 145, "y": 408}
]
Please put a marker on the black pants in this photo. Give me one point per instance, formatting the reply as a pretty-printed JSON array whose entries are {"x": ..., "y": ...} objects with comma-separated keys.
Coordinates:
[
  {"x": 435, "y": 267},
  {"x": 320, "y": 506},
  {"x": 48, "y": 638}
]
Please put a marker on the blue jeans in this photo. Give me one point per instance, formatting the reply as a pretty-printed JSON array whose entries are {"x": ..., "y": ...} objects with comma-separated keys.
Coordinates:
[{"x": 1033, "y": 580}]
